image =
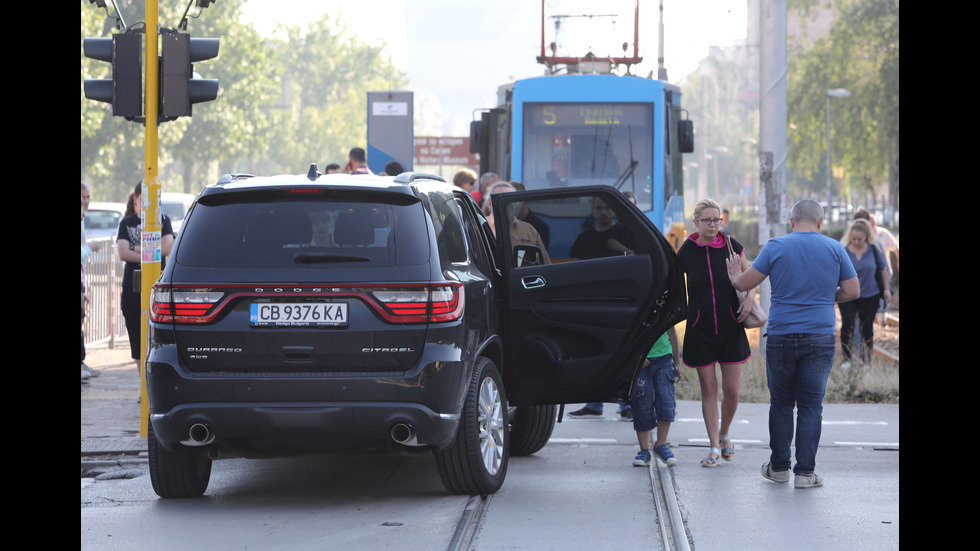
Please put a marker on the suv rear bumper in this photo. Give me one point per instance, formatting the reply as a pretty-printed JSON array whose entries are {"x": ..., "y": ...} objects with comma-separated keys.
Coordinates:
[
  {"x": 310, "y": 426},
  {"x": 293, "y": 413}
]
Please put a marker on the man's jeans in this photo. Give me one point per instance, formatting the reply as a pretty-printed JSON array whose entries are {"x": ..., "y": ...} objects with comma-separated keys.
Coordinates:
[{"x": 797, "y": 367}]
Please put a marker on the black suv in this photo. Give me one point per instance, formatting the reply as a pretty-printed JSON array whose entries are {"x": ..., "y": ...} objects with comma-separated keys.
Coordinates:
[{"x": 334, "y": 313}]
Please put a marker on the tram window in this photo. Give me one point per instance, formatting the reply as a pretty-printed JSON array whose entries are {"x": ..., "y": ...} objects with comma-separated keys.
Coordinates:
[{"x": 577, "y": 144}]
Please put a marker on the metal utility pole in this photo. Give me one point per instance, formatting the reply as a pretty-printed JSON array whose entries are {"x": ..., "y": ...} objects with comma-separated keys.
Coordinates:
[
  {"x": 150, "y": 246},
  {"x": 661, "y": 70},
  {"x": 772, "y": 131},
  {"x": 832, "y": 93},
  {"x": 179, "y": 91}
]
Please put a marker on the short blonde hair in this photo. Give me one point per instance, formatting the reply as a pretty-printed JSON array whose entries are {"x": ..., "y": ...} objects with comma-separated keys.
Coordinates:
[
  {"x": 705, "y": 204},
  {"x": 861, "y": 225}
]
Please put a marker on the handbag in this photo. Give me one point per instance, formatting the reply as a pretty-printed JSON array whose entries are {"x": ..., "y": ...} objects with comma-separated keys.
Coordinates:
[
  {"x": 757, "y": 316},
  {"x": 878, "y": 269}
]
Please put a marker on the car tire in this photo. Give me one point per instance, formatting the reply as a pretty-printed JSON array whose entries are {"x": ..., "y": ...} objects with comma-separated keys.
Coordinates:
[
  {"x": 476, "y": 462},
  {"x": 180, "y": 472},
  {"x": 531, "y": 428}
]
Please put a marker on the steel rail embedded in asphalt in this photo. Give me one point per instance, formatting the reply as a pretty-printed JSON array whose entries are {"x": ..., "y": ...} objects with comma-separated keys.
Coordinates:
[
  {"x": 673, "y": 536},
  {"x": 469, "y": 523}
]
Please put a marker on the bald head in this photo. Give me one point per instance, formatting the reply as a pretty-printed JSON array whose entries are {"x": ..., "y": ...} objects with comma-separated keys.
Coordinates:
[
  {"x": 807, "y": 211},
  {"x": 501, "y": 187}
]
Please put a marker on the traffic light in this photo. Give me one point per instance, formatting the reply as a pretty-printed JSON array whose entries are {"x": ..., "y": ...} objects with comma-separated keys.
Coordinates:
[
  {"x": 180, "y": 88},
  {"x": 125, "y": 89}
]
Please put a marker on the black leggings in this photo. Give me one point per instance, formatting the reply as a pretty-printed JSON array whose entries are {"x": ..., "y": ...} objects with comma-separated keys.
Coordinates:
[
  {"x": 130, "y": 305},
  {"x": 865, "y": 310}
]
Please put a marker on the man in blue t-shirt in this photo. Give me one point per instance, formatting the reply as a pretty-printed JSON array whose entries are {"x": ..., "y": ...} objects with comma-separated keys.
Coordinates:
[{"x": 808, "y": 273}]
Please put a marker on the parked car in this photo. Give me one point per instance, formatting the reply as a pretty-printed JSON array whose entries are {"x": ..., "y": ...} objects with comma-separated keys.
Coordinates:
[
  {"x": 176, "y": 205},
  {"x": 102, "y": 219},
  {"x": 367, "y": 314}
]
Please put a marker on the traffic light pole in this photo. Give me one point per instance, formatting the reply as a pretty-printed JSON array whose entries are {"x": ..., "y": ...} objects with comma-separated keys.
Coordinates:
[
  {"x": 166, "y": 100},
  {"x": 150, "y": 243}
]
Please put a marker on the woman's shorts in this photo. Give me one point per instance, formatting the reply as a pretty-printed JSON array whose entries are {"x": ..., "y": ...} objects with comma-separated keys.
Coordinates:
[{"x": 703, "y": 349}]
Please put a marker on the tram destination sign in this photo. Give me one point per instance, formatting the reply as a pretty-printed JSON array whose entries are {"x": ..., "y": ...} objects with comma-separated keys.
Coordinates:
[{"x": 578, "y": 115}]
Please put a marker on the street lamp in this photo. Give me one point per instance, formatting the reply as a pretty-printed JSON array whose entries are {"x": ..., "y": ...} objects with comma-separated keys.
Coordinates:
[{"x": 832, "y": 93}]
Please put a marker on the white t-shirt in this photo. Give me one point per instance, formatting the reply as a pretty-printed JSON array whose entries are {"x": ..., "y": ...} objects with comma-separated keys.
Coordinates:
[{"x": 888, "y": 243}]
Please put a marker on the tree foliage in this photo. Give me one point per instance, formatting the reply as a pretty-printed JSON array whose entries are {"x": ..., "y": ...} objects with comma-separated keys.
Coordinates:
[
  {"x": 112, "y": 154},
  {"x": 282, "y": 102},
  {"x": 234, "y": 125},
  {"x": 326, "y": 76},
  {"x": 860, "y": 54},
  {"x": 722, "y": 98}
]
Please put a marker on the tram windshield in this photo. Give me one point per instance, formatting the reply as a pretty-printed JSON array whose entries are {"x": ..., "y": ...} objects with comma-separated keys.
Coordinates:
[{"x": 576, "y": 144}]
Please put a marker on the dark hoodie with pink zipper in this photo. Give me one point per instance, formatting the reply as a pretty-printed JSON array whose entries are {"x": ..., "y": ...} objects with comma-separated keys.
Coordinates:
[{"x": 712, "y": 305}]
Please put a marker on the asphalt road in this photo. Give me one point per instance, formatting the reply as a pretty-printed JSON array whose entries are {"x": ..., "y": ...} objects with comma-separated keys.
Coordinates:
[{"x": 579, "y": 492}]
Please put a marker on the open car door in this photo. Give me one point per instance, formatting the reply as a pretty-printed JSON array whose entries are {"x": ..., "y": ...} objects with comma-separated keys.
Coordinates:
[{"x": 580, "y": 319}]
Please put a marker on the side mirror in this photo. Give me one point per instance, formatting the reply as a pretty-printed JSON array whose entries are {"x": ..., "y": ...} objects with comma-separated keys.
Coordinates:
[
  {"x": 527, "y": 255},
  {"x": 685, "y": 135},
  {"x": 477, "y": 137}
]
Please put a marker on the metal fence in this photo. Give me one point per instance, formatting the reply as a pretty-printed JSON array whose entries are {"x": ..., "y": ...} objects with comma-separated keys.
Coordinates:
[{"x": 104, "y": 322}]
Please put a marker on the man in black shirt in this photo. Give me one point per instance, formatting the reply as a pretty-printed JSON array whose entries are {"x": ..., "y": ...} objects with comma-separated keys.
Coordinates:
[{"x": 606, "y": 237}]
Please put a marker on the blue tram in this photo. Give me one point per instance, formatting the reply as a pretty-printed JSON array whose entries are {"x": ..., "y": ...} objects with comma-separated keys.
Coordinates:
[{"x": 565, "y": 130}]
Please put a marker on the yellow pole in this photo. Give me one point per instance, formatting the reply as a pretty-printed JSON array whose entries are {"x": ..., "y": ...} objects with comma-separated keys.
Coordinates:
[{"x": 151, "y": 223}]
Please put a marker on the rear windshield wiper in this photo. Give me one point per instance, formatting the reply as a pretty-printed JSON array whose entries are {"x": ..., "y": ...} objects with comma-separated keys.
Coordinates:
[{"x": 324, "y": 258}]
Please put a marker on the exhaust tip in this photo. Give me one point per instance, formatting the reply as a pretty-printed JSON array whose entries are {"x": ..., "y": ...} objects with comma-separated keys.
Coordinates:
[
  {"x": 198, "y": 435},
  {"x": 403, "y": 433}
]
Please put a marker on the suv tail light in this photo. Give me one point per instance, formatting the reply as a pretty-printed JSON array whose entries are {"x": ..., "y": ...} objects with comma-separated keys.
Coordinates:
[
  {"x": 175, "y": 305},
  {"x": 432, "y": 303},
  {"x": 409, "y": 303}
]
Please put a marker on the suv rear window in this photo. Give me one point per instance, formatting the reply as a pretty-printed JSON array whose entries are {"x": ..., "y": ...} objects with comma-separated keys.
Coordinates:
[{"x": 312, "y": 232}]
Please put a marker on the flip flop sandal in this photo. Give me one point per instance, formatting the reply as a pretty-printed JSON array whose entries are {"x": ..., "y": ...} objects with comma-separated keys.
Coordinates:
[
  {"x": 726, "y": 453},
  {"x": 711, "y": 461}
]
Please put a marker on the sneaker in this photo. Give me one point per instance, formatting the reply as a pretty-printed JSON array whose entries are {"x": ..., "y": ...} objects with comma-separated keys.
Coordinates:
[
  {"x": 665, "y": 455},
  {"x": 91, "y": 372},
  {"x": 776, "y": 476},
  {"x": 626, "y": 414},
  {"x": 807, "y": 481},
  {"x": 642, "y": 458},
  {"x": 85, "y": 373},
  {"x": 585, "y": 413}
]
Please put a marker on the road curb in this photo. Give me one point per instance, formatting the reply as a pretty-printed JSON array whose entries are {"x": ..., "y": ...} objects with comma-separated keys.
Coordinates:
[
  {"x": 113, "y": 446},
  {"x": 101, "y": 464}
]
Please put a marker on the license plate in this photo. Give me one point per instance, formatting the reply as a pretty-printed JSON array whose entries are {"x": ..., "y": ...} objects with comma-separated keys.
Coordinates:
[{"x": 302, "y": 314}]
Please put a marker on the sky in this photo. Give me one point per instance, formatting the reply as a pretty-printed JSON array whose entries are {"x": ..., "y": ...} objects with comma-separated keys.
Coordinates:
[{"x": 456, "y": 53}]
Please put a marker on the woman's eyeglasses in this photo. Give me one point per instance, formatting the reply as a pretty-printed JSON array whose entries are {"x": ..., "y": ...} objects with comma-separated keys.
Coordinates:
[{"x": 710, "y": 221}]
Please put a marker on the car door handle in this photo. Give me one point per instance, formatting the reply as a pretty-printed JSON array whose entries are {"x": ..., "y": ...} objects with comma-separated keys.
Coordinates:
[{"x": 532, "y": 282}]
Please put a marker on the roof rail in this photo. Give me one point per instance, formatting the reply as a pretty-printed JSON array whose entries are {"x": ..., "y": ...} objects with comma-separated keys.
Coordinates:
[
  {"x": 231, "y": 177},
  {"x": 409, "y": 177}
]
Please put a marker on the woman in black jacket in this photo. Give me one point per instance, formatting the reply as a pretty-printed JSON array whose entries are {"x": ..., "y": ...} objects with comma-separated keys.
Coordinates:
[{"x": 714, "y": 332}]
